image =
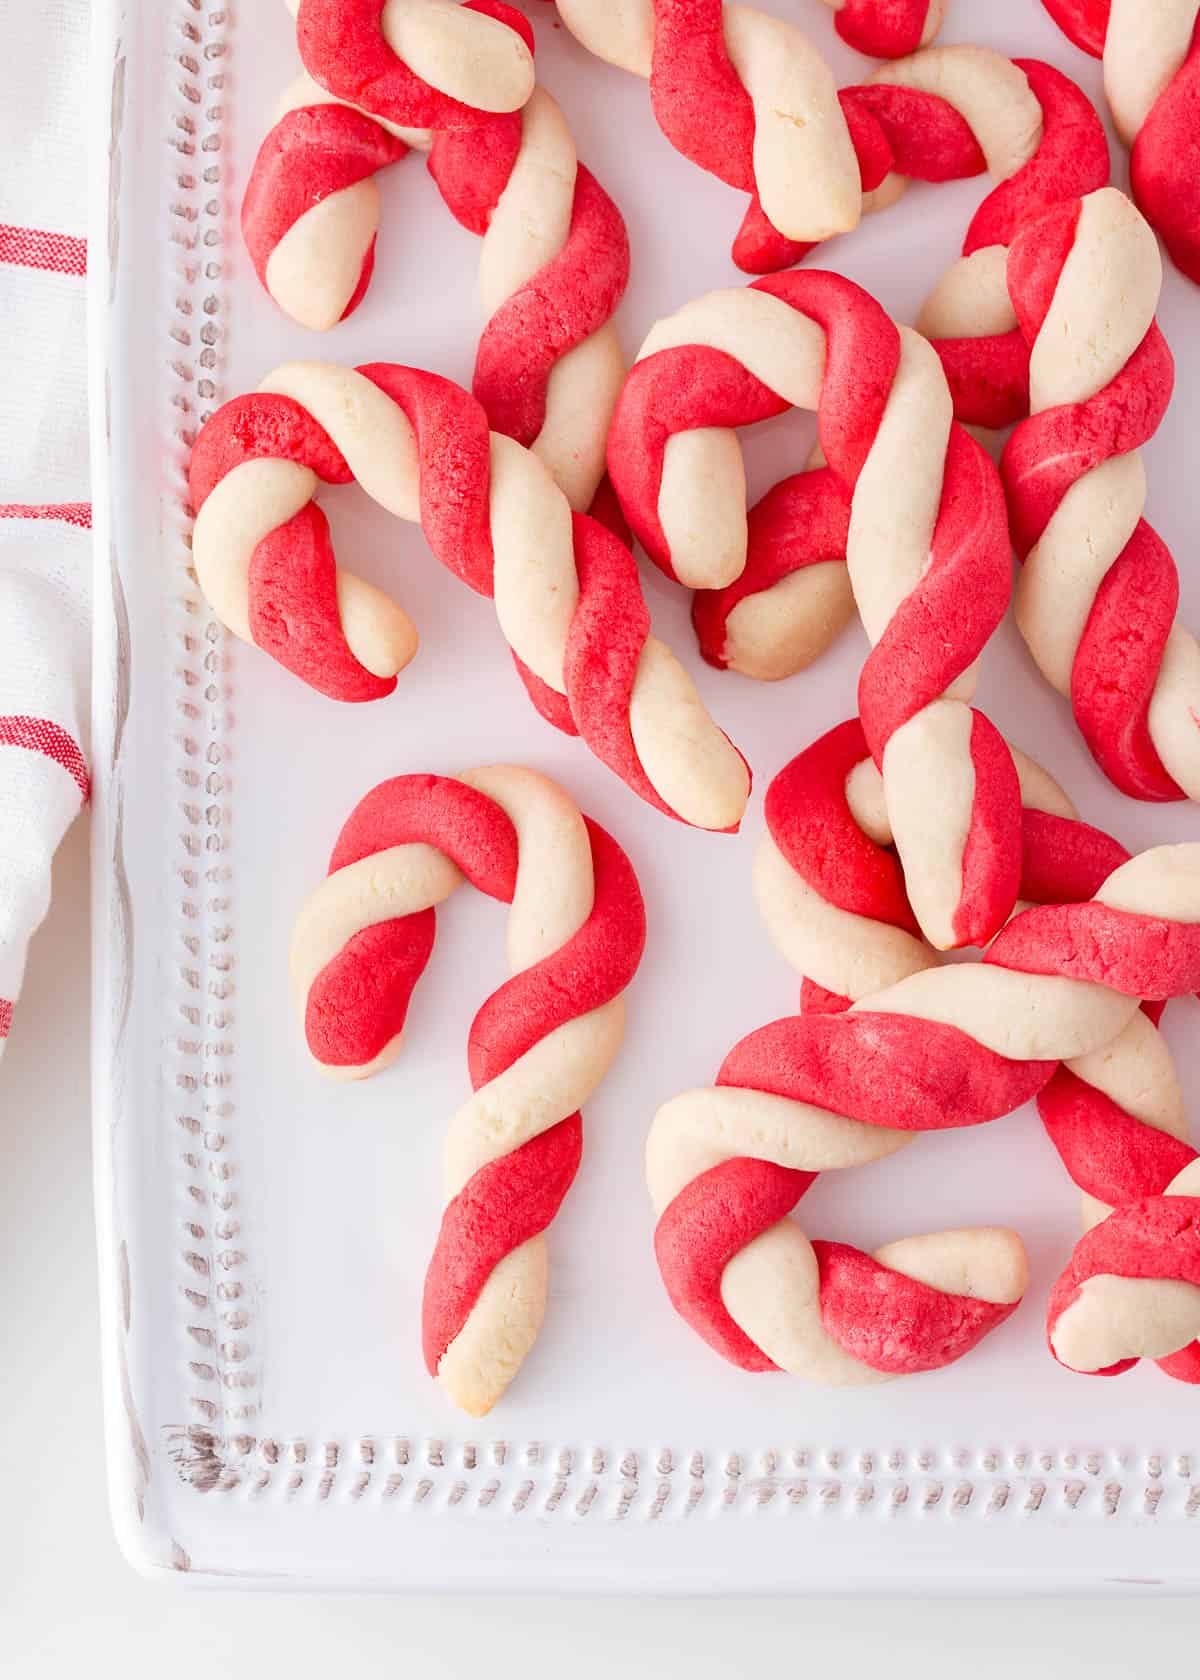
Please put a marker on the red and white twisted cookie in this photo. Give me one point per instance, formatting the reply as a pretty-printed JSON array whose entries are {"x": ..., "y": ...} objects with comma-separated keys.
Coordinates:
[
  {"x": 888, "y": 28},
  {"x": 942, "y": 1047},
  {"x": 1132, "y": 1289},
  {"x": 1097, "y": 593},
  {"x": 1151, "y": 54},
  {"x": 538, "y": 1048},
  {"x": 927, "y": 546},
  {"x": 833, "y": 900},
  {"x": 566, "y": 590},
  {"x": 421, "y": 63},
  {"x": 554, "y": 260}
]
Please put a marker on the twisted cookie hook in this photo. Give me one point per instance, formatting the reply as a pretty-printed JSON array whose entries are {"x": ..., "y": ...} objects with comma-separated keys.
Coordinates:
[{"x": 538, "y": 1047}]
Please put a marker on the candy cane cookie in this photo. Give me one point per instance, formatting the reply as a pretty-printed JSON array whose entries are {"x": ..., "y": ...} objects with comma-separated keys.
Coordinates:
[
  {"x": 1096, "y": 597},
  {"x": 832, "y": 898},
  {"x": 1132, "y": 1288},
  {"x": 554, "y": 259},
  {"x": 888, "y": 28},
  {"x": 833, "y": 902},
  {"x": 942, "y": 1047},
  {"x": 1151, "y": 54},
  {"x": 538, "y": 1048},
  {"x": 565, "y": 589},
  {"x": 927, "y": 545}
]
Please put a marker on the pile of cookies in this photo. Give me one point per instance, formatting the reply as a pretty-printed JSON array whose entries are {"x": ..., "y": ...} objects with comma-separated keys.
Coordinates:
[{"x": 912, "y": 830}]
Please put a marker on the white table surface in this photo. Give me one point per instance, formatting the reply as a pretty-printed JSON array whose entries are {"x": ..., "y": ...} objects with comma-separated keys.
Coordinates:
[{"x": 69, "y": 1603}]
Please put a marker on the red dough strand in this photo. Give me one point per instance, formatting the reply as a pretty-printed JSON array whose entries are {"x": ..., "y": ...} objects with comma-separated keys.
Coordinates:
[
  {"x": 1117, "y": 664},
  {"x": 1063, "y": 860},
  {"x": 1083, "y": 22},
  {"x": 886, "y": 1070},
  {"x": 896, "y": 1324},
  {"x": 883, "y": 28},
  {"x": 1140, "y": 956},
  {"x": 261, "y": 427},
  {"x": 294, "y": 612},
  {"x": 1109, "y": 1154},
  {"x": 568, "y": 300},
  {"x": 1164, "y": 167},
  {"x": 991, "y": 863},
  {"x": 506, "y": 1203}
]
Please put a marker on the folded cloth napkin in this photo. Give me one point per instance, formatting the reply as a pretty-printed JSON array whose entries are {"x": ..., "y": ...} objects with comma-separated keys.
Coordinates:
[{"x": 45, "y": 516}]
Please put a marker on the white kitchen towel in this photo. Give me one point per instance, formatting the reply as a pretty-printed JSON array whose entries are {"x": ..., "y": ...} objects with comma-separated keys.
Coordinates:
[{"x": 45, "y": 514}]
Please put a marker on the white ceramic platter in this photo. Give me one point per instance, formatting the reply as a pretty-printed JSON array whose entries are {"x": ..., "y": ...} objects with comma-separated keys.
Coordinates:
[{"x": 264, "y": 1234}]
